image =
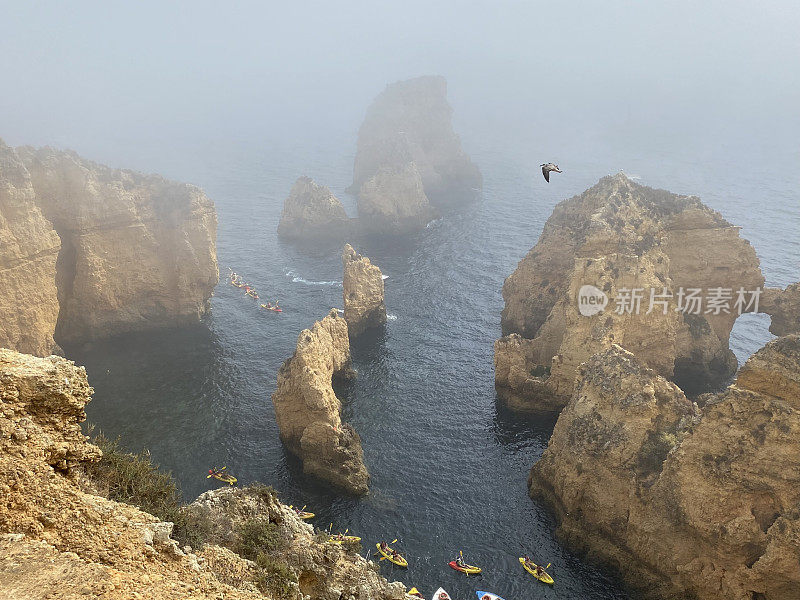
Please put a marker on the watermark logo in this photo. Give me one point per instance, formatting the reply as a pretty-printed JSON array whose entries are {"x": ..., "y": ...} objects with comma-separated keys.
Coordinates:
[
  {"x": 690, "y": 301},
  {"x": 591, "y": 300}
]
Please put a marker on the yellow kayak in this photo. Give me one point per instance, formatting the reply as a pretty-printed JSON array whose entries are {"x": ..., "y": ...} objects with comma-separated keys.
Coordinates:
[
  {"x": 344, "y": 539},
  {"x": 388, "y": 555},
  {"x": 302, "y": 513},
  {"x": 414, "y": 593},
  {"x": 221, "y": 475},
  {"x": 544, "y": 577}
]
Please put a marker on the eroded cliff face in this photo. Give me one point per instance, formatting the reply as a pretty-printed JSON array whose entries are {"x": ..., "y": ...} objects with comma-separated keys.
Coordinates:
[
  {"x": 619, "y": 236},
  {"x": 60, "y": 539},
  {"x": 308, "y": 413},
  {"x": 784, "y": 308},
  {"x": 56, "y": 539},
  {"x": 29, "y": 248},
  {"x": 312, "y": 213},
  {"x": 409, "y": 158},
  {"x": 322, "y": 570},
  {"x": 138, "y": 251},
  {"x": 682, "y": 501},
  {"x": 364, "y": 306}
]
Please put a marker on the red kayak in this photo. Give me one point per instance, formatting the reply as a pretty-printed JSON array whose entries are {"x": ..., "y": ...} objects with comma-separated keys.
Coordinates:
[{"x": 272, "y": 308}]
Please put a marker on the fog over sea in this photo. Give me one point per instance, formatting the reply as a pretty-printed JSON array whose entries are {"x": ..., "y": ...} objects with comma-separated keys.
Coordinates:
[{"x": 242, "y": 106}]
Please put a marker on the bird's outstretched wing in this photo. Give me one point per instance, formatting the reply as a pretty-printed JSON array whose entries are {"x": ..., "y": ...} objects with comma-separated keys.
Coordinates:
[{"x": 546, "y": 173}]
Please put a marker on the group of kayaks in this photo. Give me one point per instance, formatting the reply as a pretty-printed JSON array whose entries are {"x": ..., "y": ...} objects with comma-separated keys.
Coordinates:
[{"x": 236, "y": 281}]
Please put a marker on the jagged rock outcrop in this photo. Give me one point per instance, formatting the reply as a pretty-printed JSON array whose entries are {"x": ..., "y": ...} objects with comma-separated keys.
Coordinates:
[
  {"x": 56, "y": 538},
  {"x": 784, "y": 308},
  {"x": 322, "y": 570},
  {"x": 137, "y": 251},
  {"x": 28, "y": 251},
  {"x": 393, "y": 202},
  {"x": 362, "y": 283},
  {"x": 408, "y": 156},
  {"x": 312, "y": 213},
  {"x": 683, "y": 502},
  {"x": 308, "y": 412},
  {"x": 616, "y": 237}
]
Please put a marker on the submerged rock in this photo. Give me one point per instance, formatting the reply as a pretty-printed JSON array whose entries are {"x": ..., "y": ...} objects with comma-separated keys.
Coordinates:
[
  {"x": 308, "y": 412},
  {"x": 408, "y": 155},
  {"x": 682, "y": 502},
  {"x": 364, "y": 306},
  {"x": 312, "y": 213},
  {"x": 29, "y": 248},
  {"x": 615, "y": 238}
]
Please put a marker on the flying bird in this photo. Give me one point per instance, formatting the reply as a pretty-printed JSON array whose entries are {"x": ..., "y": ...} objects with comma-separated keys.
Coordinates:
[{"x": 546, "y": 168}]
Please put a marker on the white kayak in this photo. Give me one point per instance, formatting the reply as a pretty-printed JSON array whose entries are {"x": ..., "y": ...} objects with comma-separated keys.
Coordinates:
[
  {"x": 440, "y": 594},
  {"x": 488, "y": 596}
]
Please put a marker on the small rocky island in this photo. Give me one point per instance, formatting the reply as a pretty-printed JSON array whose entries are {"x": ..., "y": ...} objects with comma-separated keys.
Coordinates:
[
  {"x": 88, "y": 251},
  {"x": 364, "y": 306},
  {"x": 409, "y": 165},
  {"x": 308, "y": 412}
]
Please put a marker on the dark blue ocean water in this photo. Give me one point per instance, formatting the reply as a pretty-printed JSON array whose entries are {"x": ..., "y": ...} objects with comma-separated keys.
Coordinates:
[{"x": 448, "y": 463}]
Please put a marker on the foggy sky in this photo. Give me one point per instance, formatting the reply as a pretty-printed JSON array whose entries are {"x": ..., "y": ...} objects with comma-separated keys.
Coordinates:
[{"x": 86, "y": 75}]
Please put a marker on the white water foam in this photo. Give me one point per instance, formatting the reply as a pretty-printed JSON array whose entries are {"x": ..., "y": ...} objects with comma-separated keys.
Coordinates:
[
  {"x": 391, "y": 317},
  {"x": 297, "y": 279}
]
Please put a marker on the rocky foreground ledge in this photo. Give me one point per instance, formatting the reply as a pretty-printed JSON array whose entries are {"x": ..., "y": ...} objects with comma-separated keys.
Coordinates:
[
  {"x": 87, "y": 251},
  {"x": 308, "y": 412},
  {"x": 682, "y": 499},
  {"x": 59, "y": 538},
  {"x": 616, "y": 237}
]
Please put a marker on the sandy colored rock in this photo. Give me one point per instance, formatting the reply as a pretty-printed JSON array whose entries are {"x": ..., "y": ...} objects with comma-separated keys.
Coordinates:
[
  {"x": 311, "y": 213},
  {"x": 784, "y": 308},
  {"x": 363, "y": 293},
  {"x": 619, "y": 236},
  {"x": 58, "y": 540},
  {"x": 393, "y": 202},
  {"x": 308, "y": 413},
  {"x": 137, "y": 251},
  {"x": 323, "y": 570},
  {"x": 28, "y": 251},
  {"x": 681, "y": 502}
]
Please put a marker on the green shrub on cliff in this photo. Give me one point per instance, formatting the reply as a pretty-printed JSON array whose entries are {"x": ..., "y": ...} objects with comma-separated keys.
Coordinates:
[
  {"x": 257, "y": 536},
  {"x": 133, "y": 478},
  {"x": 274, "y": 577}
]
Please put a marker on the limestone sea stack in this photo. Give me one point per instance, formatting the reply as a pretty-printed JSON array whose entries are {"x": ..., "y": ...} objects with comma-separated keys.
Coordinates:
[
  {"x": 407, "y": 140},
  {"x": 619, "y": 237},
  {"x": 137, "y": 251},
  {"x": 311, "y": 213},
  {"x": 29, "y": 248},
  {"x": 308, "y": 412},
  {"x": 684, "y": 501},
  {"x": 784, "y": 308},
  {"x": 364, "y": 306}
]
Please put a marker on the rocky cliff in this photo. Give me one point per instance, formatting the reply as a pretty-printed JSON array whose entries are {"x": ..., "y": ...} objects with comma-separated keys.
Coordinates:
[
  {"x": 60, "y": 539},
  {"x": 364, "y": 306},
  {"x": 137, "y": 252},
  {"x": 320, "y": 570},
  {"x": 29, "y": 248},
  {"x": 784, "y": 308},
  {"x": 312, "y": 213},
  {"x": 683, "y": 501},
  {"x": 624, "y": 240},
  {"x": 308, "y": 412},
  {"x": 90, "y": 251},
  {"x": 408, "y": 154}
]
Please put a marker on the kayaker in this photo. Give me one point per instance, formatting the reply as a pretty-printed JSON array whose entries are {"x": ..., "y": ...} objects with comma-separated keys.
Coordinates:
[
  {"x": 539, "y": 571},
  {"x": 460, "y": 561},
  {"x": 395, "y": 555},
  {"x": 384, "y": 546}
]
